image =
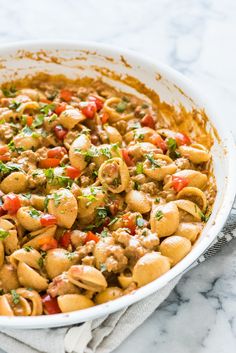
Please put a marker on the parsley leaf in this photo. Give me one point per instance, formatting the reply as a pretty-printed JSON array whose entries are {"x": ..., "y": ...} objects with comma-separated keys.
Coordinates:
[
  {"x": 57, "y": 199},
  {"x": 38, "y": 120},
  {"x": 3, "y": 234},
  {"x": 9, "y": 92},
  {"x": 104, "y": 233},
  {"x": 120, "y": 108},
  {"x": 15, "y": 297},
  {"x": 152, "y": 160},
  {"x": 13, "y": 148},
  {"x": 204, "y": 217},
  {"x": 8, "y": 168},
  {"x": 47, "y": 108},
  {"x": 114, "y": 220},
  {"x": 57, "y": 179},
  {"x": 14, "y": 105},
  {"x": 34, "y": 213},
  {"x": 101, "y": 212},
  {"x": 139, "y": 168},
  {"x": 140, "y": 222},
  {"x": 172, "y": 145},
  {"x": 70, "y": 255},
  {"x": 136, "y": 185},
  {"x": 28, "y": 248},
  {"x": 159, "y": 215}
]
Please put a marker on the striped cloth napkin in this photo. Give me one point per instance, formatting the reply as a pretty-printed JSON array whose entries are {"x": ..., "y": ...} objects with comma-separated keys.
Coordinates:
[{"x": 105, "y": 334}]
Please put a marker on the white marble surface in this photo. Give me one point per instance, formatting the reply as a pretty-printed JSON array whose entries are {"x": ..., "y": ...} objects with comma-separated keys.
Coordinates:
[{"x": 198, "y": 38}]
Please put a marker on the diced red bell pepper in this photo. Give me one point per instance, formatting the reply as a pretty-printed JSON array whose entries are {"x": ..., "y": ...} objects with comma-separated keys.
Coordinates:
[
  {"x": 11, "y": 203},
  {"x": 158, "y": 141},
  {"x": 57, "y": 152},
  {"x": 91, "y": 236},
  {"x": 50, "y": 244},
  {"x": 48, "y": 220},
  {"x": 45, "y": 100},
  {"x": 29, "y": 120},
  {"x": 129, "y": 223},
  {"x": 5, "y": 157},
  {"x": 104, "y": 118},
  {"x": 60, "y": 108},
  {"x": 65, "y": 240},
  {"x": 128, "y": 160},
  {"x": 3, "y": 149},
  {"x": 148, "y": 121},
  {"x": 49, "y": 163},
  {"x": 97, "y": 101},
  {"x": 50, "y": 305},
  {"x": 182, "y": 139},
  {"x": 72, "y": 172},
  {"x": 66, "y": 95},
  {"x": 179, "y": 183},
  {"x": 60, "y": 132},
  {"x": 89, "y": 109}
]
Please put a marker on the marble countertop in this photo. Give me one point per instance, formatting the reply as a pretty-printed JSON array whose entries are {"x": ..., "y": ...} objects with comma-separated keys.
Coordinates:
[{"x": 198, "y": 38}]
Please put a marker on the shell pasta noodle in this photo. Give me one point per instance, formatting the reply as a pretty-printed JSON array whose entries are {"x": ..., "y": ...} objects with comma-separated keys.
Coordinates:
[{"x": 100, "y": 193}]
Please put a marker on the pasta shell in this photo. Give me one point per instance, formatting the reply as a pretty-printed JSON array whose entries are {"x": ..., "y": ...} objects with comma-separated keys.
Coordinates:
[
  {"x": 8, "y": 277},
  {"x": 194, "y": 194},
  {"x": 108, "y": 294},
  {"x": 189, "y": 207},
  {"x": 87, "y": 277},
  {"x": 164, "y": 219},
  {"x": 71, "y": 117},
  {"x": 189, "y": 230},
  {"x": 34, "y": 298},
  {"x": 39, "y": 236},
  {"x": 22, "y": 308},
  {"x": 113, "y": 134},
  {"x": 27, "y": 106},
  {"x": 194, "y": 178},
  {"x": 27, "y": 142},
  {"x": 5, "y": 224},
  {"x": 114, "y": 175},
  {"x": 196, "y": 153},
  {"x": 143, "y": 134},
  {"x": 5, "y": 308},
  {"x": 175, "y": 248},
  {"x": 2, "y": 254},
  {"x": 105, "y": 152},
  {"x": 125, "y": 280},
  {"x": 27, "y": 219},
  {"x": 73, "y": 302},
  {"x": 138, "y": 150},
  {"x": 30, "y": 278},
  {"x": 27, "y": 255},
  {"x": 11, "y": 242},
  {"x": 63, "y": 206},
  {"x": 59, "y": 260},
  {"x": 88, "y": 202},
  {"x": 159, "y": 166},
  {"x": 15, "y": 182},
  {"x": 150, "y": 267},
  {"x": 114, "y": 116},
  {"x": 137, "y": 201},
  {"x": 33, "y": 94},
  {"x": 77, "y": 150}
]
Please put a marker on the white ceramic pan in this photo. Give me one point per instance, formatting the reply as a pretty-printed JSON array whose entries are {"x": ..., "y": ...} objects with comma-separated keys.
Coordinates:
[{"x": 75, "y": 59}]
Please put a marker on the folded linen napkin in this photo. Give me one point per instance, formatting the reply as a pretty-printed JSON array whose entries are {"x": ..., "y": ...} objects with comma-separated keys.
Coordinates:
[{"x": 105, "y": 334}]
